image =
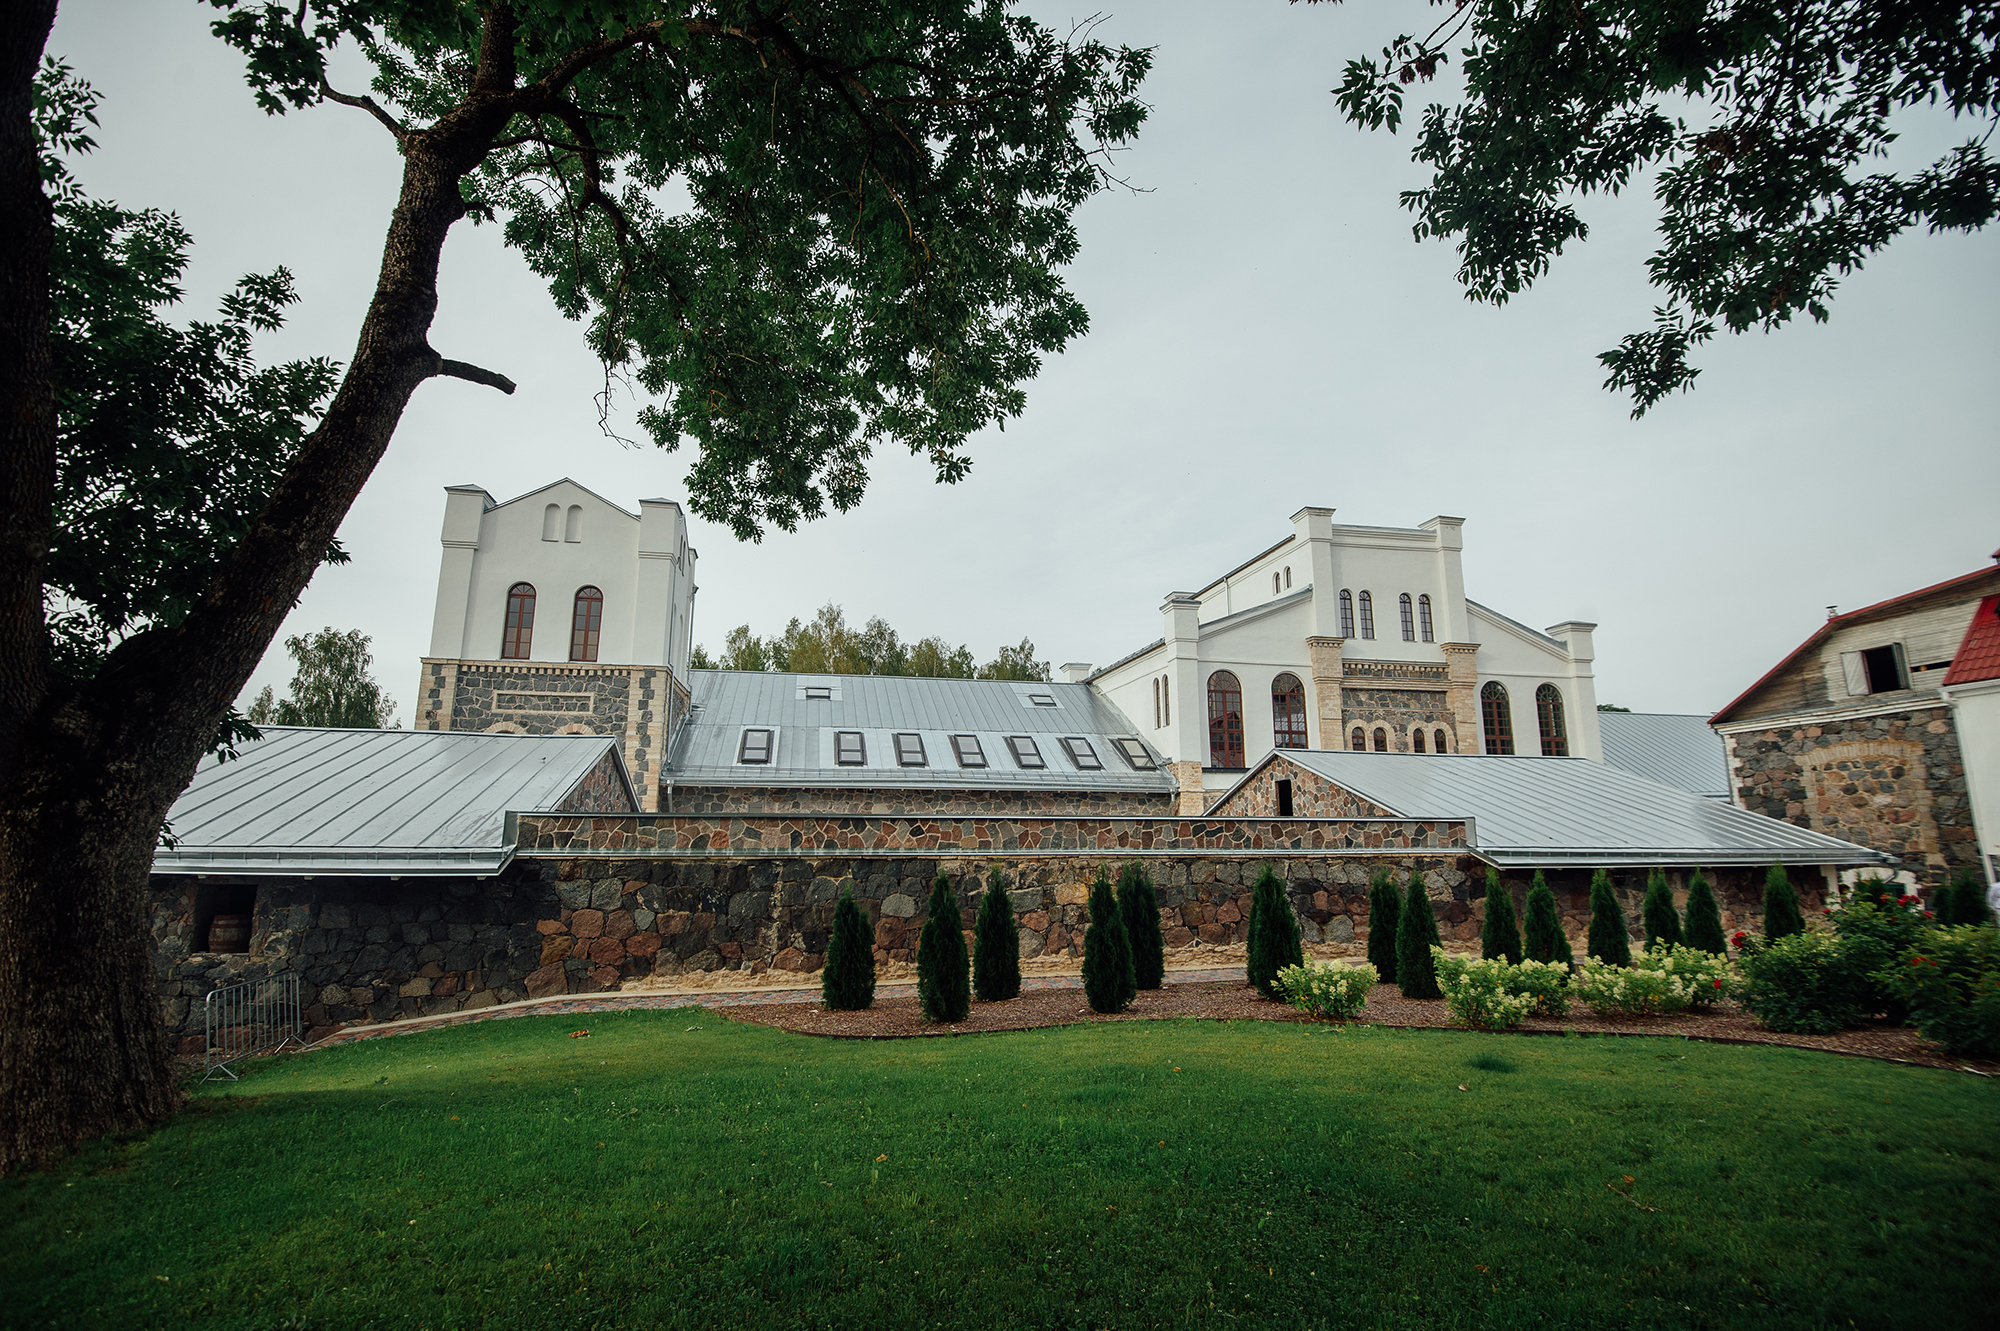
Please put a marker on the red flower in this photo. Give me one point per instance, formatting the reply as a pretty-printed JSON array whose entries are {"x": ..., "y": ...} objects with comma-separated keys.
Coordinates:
[
  {"x": 1927, "y": 915},
  {"x": 1718, "y": 984}
]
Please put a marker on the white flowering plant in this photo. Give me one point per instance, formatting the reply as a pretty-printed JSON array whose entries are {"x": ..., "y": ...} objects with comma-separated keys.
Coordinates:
[
  {"x": 1614, "y": 991},
  {"x": 1477, "y": 992},
  {"x": 1326, "y": 988},
  {"x": 1710, "y": 978},
  {"x": 1546, "y": 982}
]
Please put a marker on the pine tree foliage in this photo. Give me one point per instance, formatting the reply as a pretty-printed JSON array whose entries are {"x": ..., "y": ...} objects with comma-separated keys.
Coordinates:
[
  {"x": 1108, "y": 982},
  {"x": 1546, "y": 940},
  {"x": 1500, "y": 936},
  {"x": 1704, "y": 918},
  {"x": 1963, "y": 900},
  {"x": 1781, "y": 905},
  {"x": 1416, "y": 935},
  {"x": 996, "y": 961},
  {"x": 1610, "y": 937},
  {"x": 944, "y": 989},
  {"x": 1140, "y": 905},
  {"x": 1385, "y": 907},
  {"x": 1658, "y": 917},
  {"x": 847, "y": 983},
  {"x": 1274, "y": 933}
]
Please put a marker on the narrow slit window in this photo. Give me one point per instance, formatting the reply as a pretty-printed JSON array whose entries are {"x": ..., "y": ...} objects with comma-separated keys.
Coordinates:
[
  {"x": 1424, "y": 619},
  {"x": 1025, "y": 751},
  {"x": 1284, "y": 799},
  {"x": 966, "y": 749},
  {"x": 1276, "y": 586},
  {"x": 1409, "y": 620},
  {"x": 1549, "y": 719},
  {"x": 849, "y": 748},
  {"x": 1082, "y": 754},
  {"x": 1156, "y": 704},
  {"x": 1166, "y": 700},
  {"x": 910, "y": 750},
  {"x": 755, "y": 747},
  {"x": 1135, "y": 754},
  {"x": 1346, "y": 613},
  {"x": 520, "y": 632},
  {"x": 1498, "y": 721},
  {"x": 1288, "y": 577},
  {"x": 1367, "y": 615},
  {"x": 585, "y": 624}
]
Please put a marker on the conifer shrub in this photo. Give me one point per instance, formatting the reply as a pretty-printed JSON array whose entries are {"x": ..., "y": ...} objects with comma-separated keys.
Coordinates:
[
  {"x": 1704, "y": 918},
  {"x": 1610, "y": 939},
  {"x": 1781, "y": 905},
  {"x": 847, "y": 982},
  {"x": 996, "y": 957},
  {"x": 1274, "y": 934},
  {"x": 1963, "y": 901},
  {"x": 1140, "y": 905},
  {"x": 1657, "y": 916},
  {"x": 1108, "y": 982},
  {"x": 1416, "y": 935},
  {"x": 944, "y": 988},
  {"x": 1500, "y": 937},
  {"x": 1385, "y": 907},
  {"x": 1545, "y": 940}
]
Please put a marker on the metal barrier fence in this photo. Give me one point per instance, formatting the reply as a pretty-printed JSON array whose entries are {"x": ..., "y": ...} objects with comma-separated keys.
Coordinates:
[{"x": 257, "y": 1016}]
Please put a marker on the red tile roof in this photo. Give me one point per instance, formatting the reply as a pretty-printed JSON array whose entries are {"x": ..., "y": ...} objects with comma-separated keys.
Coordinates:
[{"x": 1978, "y": 655}]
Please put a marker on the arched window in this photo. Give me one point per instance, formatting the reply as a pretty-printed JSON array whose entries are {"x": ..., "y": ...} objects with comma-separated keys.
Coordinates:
[
  {"x": 519, "y": 635},
  {"x": 1275, "y": 584},
  {"x": 1499, "y": 723},
  {"x": 1367, "y": 615},
  {"x": 1417, "y": 740},
  {"x": 1440, "y": 746},
  {"x": 1156, "y": 702},
  {"x": 1225, "y": 720},
  {"x": 573, "y": 525},
  {"x": 585, "y": 623},
  {"x": 1288, "y": 712},
  {"x": 1358, "y": 741},
  {"x": 1381, "y": 740},
  {"x": 1424, "y": 618},
  {"x": 1288, "y": 577},
  {"x": 1409, "y": 621},
  {"x": 1549, "y": 713},
  {"x": 1346, "y": 613},
  {"x": 552, "y": 523}
]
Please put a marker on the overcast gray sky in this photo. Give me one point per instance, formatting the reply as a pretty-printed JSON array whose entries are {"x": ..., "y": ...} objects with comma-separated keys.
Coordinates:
[{"x": 1264, "y": 335}]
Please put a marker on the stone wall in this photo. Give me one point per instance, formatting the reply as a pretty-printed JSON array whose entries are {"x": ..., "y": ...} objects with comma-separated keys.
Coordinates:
[
  {"x": 602, "y": 790},
  {"x": 1313, "y": 796},
  {"x": 1740, "y": 892},
  {"x": 1894, "y": 781},
  {"x": 738, "y": 801}
]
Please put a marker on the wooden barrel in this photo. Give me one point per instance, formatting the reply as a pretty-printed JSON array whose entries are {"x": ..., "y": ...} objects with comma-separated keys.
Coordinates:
[{"x": 229, "y": 933}]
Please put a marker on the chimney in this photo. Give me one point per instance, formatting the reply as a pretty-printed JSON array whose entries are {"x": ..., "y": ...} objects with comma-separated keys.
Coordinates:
[{"x": 1077, "y": 671}]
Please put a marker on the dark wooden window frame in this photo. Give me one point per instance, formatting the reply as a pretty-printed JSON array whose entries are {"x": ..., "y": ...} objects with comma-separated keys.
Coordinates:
[
  {"x": 586, "y": 624},
  {"x": 1368, "y": 616},
  {"x": 1496, "y": 718},
  {"x": 518, "y": 637},
  {"x": 1549, "y": 720},
  {"x": 1225, "y": 720},
  {"x": 1288, "y": 712},
  {"x": 1424, "y": 625}
]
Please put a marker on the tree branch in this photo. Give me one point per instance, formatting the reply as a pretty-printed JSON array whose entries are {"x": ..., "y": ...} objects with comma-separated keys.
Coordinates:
[
  {"x": 458, "y": 369},
  {"x": 367, "y": 104}
]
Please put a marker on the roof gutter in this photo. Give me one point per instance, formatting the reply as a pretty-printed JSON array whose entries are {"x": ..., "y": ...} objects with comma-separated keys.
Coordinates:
[{"x": 449, "y": 862}]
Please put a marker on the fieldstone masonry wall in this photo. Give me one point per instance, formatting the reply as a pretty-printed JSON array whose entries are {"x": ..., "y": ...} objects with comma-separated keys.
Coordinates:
[
  {"x": 1313, "y": 796},
  {"x": 739, "y": 801}
]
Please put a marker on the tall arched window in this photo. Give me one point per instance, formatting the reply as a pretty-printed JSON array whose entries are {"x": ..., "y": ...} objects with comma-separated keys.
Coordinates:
[
  {"x": 1225, "y": 720},
  {"x": 552, "y": 523},
  {"x": 1417, "y": 740},
  {"x": 1409, "y": 621},
  {"x": 519, "y": 634},
  {"x": 585, "y": 623},
  {"x": 1381, "y": 740},
  {"x": 1549, "y": 713},
  {"x": 1156, "y": 702},
  {"x": 1358, "y": 741},
  {"x": 1424, "y": 618},
  {"x": 1440, "y": 745},
  {"x": 1367, "y": 615},
  {"x": 1499, "y": 724},
  {"x": 1288, "y": 712},
  {"x": 1347, "y": 613},
  {"x": 573, "y": 523}
]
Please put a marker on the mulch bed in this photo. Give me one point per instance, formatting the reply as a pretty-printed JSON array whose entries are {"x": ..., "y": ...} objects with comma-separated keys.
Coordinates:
[{"x": 896, "y": 1016}]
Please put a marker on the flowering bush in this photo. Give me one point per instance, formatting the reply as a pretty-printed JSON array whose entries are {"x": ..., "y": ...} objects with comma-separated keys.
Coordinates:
[
  {"x": 1613, "y": 991},
  {"x": 1708, "y": 977},
  {"x": 1878, "y": 928},
  {"x": 1951, "y": 982},
  {"x": 1326, "y": 988},
  {"x": 1546, "y": 982},
  {"x": 1475, "y": 992},
  {"x": 1450, "y": 969},
  {"x": 1803, "y": 983}
]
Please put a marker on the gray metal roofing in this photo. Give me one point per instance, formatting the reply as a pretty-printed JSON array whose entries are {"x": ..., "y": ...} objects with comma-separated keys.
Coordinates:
[
  {"x": 1677, "y": 750},
  {"x": 1556, "y": 810},
  {"x": 377, "y": 802},
  {"x": 725, "y": 702}
]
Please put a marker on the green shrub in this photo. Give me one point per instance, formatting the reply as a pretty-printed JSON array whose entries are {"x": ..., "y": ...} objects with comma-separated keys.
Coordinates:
[
  {"x": 1385, "y": 907},
  {"x": 1546, "y": 982},
  {"x": 1545, "y": 939},
  {"x": 944, "y": 989},
  {"x": 1327, "y": 988},
  {"x": 847, "y": 983},
  {"x": 1476, "y": 994},
  {"x": 1658, "y": 919},
  {"x": 1620, "y": 991},
  {"x": 1878, "y": 928},
  {"x": 1781, "y": 905},
  {"x": 1416, "y": 935},
  {"x": 1610, "y": 939},
  {"x": 1705, "y": 976},
  {"x": 996, "y": 957},
  {"x": 1499, "y": 937},
  {"x": 1274, "y": 933},
  {"x": 1802, "y": 983},
  {"x": 1952, "y": 985},
  {"x": 1140, "y": 905},
  {"x": 1108, "y": 982},
  {"x": 1704, "y": 918},
  {"x": 1963, "y": 900}
]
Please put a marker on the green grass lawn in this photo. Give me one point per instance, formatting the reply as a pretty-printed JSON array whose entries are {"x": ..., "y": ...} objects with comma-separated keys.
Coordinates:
[{"x": 676, "y": 1169}]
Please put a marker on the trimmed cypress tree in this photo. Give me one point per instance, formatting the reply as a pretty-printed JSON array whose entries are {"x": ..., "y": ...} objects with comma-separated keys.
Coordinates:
[
  {"x": 1274, "y": 933},
  {"x": 943, "y": 977},
  {"x": 1416, "y": 934},
  {"x": 1781, "y": 905},
  {"x": 1657, "y": 916},
  {"x": 1500, "y": 936},
  {"x": 847, "y": 983},
  {"x": 1140, "y": 905},
  {"x": 1546, "y": 940},
  {"x": 1385, "y": 907},
  {"x": 1704, "y": 918},
  {"x": 1963, "y": 901},
  {"x": 1107, "y": 952},
  {"x": 1610, "y": 938},
  {"x": 996, "y": 959}
]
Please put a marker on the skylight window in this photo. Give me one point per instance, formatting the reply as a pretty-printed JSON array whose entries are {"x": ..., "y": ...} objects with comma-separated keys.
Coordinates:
[
  {"x": 1135, "y": 754},
  {"x": 1025, "y": 752},
  {"x": 1082, "y": 754},
  {"x": 819, "y": 692},
  {"x": 1042, "y": 699},
  {"x": 849, "y": 749},
  {"x": 755, "y": 748},
  {"x": 910, "y": 751},
  {"x": 966, "y": 749}
]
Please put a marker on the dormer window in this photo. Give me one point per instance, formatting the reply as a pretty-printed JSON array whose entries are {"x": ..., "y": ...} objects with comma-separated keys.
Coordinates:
[
  {"x": 755, "y": 747},
  {"x": 1082, "y": 754},
  {"x": 819, "y": 693},
  {"x": 1042, "y": 699},
  {"x": 966, "y": 749},
  {"x": 1025, "y": 752},
  {"x": 1135, "y": 754},
  {"x": 849, "y": 748},
  {"x": 910, "y": 751}
]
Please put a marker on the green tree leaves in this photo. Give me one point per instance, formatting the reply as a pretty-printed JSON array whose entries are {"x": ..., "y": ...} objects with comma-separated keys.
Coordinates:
[{"x": 332, "y": 686}]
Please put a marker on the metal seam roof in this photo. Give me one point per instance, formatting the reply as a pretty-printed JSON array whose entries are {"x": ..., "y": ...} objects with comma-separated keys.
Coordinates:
[{"x": 1675, "y": 750}]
